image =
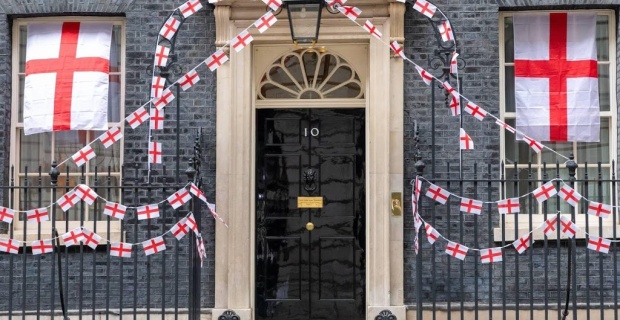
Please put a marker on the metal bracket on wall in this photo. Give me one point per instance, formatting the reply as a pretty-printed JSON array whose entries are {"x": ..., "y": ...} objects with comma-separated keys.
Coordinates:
[
  {"x": 228, "y": 315},
  {"x": 386, "y": 315}
]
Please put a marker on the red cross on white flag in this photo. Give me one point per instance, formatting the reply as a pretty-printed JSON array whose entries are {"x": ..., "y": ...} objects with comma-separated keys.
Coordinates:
[
  {"x": 569, "y": 195},
  {"x": 508, "y": 206},
  {"x": 155, "y": 153},
  {"x": 505, "y": 126},
  {"x": 545, "y": 192},
  {"x": 37, "y": 215},
  {"x": 190, "y": 7},
  {"x": 170, "y": 28},
  {"x": 556, "y": 76},
  {"x": 179, "y": 198},
  {"x": 149, "y": 211},
  {"x": 350, "y": 12},
  {"x": 216, "y": 60},
  {"x": 114, "y": 210},
  {"x": 161, "y": 56},
  {"x": 437, "y": 194},
  {"x": 417, "y": 188},
  {"x": 41, "y": 246},
  {"x": 450, "y": 89},
  {"x": 67, "y": 201},
  {"x": 263, "y": 23},
  {"x": 90, "y": 238},
  {"x": 85, "y": 193},
  {"x": 454, "y": 63},
  {"x": 550, "y": 226},
  {"x": 7, "y": 214},
  {"x": 83, "y": 156},
  {"x": 599, "y": 244},
  {"x": 241, "y": 40},
  {"x": 475, "y": 111},
  {"x": 67, "y": 76},
  {"x": 154, "y": 245},
  {"x": 457, "y": 250},
  {"x": 73, "y": 237},
  {"x": 416, "y": 245},
  {"x": 198, "y": 193},
  {"x": 599, "y": 209},
  {"x": 156, "y": 119},
  {"x": 9, "y": 246},
  {"x": 465, "y": 141},
  {"x": 273, "y": 4},
  {"x": 568, "y": 227},
  {"x": 446, "y": 31},
  {"x": 180, "y": 229},
  {"x": 455, "y": 106},
  {"x": 191, "y": 222},
  {"x": 427, "y": 77},
  {"x": 471, "y": 206},
  {"x": 215, "y": 215},
  {"x": 431, "y": 234},
  {"x": 188, "y": 80},
  {"x": 370, "y": 28},
  {"x": 111, "y": 136},
  {"x": 164, "y": 100},
  {"x": 397, "y": 49},
  {"x": 491, "y": 255},
  {"x": 424, "y": 7},
  {"x": 417, "y": 220},
  {"x": 535, "y": 145},
  {"x": 523, "y": 243},
  {"x": 121, "y": 249},
  {"x": 157, "y": 87},
  {"x": 200, "y": 247},
  {"x": 137, "y": 117}
]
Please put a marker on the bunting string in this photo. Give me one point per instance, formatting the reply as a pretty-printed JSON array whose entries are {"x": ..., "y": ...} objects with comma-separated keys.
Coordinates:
[{"x": 553, "y": 225}]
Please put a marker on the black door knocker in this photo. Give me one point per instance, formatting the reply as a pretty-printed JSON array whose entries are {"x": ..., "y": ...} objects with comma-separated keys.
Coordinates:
[{"x": 310, "y": 179}]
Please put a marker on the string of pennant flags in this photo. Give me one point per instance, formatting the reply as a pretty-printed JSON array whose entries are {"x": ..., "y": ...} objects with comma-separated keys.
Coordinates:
[
  {"x": 161, "y": 95},
  {"x": 550, "y": 227},
  {"x": 115, "y": 210}
]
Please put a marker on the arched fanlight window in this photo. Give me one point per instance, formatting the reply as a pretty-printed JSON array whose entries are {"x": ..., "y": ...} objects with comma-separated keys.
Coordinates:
[{"x": 310, "y": 74}]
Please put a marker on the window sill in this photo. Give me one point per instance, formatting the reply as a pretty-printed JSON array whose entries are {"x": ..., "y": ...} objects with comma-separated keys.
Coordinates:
[
  {"x": 512, "y": 232},
  {"x": 32, "y": 230}
]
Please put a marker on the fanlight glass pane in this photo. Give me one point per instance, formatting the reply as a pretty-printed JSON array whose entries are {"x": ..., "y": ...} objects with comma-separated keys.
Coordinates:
[{"x": 310, "y": 74}]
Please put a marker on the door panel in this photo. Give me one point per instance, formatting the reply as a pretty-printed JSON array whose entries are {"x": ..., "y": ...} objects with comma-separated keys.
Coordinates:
[{"x": 318, "y": 273}]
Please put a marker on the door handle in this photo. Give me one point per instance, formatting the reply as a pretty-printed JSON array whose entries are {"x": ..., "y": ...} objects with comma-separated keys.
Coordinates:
[{"x": 309, "y": 226}]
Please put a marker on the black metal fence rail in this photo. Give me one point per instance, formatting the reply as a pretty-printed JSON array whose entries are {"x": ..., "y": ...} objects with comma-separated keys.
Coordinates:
[
  {"x": 91, "y": 283},
  {"x": 554, "y": 273}
]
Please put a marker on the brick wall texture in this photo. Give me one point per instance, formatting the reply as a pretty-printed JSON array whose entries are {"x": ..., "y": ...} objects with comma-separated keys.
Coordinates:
[
  {"x": 445, "y": 279},
  {"x": 160, "y": 280},
  {"x": 151, "y": 282}
]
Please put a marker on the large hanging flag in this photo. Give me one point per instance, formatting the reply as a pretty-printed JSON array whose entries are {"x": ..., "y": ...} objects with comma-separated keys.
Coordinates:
[
  {"x": 556, "y": 85},
  {"x": 67, "y": 76}
]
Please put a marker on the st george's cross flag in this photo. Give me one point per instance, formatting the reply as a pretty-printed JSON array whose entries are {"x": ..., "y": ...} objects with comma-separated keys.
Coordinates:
[
  {"x": 556, "y": 77},
  {"x": 599, "y": 244},
  {"x": 67, "y": 76}
]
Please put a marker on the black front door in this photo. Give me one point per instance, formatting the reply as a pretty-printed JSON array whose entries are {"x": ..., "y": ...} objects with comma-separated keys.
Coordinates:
[{"x": 310, "y": 262}]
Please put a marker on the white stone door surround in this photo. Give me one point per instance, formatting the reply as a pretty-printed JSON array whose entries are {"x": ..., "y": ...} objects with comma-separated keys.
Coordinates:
[{"x": 236, "y": 105}]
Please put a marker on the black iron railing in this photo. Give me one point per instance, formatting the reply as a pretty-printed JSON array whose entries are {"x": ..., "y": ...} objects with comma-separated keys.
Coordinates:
[
  {"x": 556, "y": 277},
  {"x": 77, "y": 281}
]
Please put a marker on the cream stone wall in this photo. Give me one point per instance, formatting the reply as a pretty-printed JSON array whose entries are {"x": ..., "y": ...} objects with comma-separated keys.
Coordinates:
[{"x": 236, "y": 105}]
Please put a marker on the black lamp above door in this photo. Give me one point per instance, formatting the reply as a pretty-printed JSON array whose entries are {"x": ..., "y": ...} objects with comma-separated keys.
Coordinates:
[{"x": 304, "y": 17}]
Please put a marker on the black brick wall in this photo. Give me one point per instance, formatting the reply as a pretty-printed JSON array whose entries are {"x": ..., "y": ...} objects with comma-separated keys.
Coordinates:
[
  {"x": 475, "y": 23},
  {"x": 197, "y": 111}
]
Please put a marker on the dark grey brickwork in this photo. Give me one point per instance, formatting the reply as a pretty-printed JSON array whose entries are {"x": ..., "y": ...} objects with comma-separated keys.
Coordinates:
[
  {"x": 197, "y": 110},
  {"x": 475, "y": 23}
]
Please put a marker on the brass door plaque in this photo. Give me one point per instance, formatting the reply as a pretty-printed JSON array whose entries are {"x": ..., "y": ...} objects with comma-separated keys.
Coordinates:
[{"x": 309, "y": 202}]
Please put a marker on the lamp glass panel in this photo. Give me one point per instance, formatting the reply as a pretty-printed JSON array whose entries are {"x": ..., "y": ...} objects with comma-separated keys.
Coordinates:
[{"x": 304, "y": 19}]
